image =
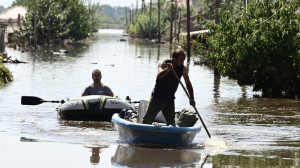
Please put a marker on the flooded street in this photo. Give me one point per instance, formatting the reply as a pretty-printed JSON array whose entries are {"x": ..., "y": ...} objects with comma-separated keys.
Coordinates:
[{"x": 246, "y": 131}]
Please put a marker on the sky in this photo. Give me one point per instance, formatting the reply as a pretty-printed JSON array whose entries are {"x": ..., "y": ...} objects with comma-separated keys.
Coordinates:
[{"x": 128, "y": 3}]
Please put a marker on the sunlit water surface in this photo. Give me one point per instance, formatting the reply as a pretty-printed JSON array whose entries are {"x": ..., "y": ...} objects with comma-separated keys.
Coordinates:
[{"x": 246, "y": 131}]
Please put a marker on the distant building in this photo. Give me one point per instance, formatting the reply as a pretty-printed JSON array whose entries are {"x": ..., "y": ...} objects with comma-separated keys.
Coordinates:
[{"x": 13, "y": 18}]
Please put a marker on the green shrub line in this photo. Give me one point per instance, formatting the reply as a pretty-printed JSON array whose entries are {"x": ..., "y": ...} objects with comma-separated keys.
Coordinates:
[
  {"x": 5, "y": 75},
  {"x": 260, "y": 47}
]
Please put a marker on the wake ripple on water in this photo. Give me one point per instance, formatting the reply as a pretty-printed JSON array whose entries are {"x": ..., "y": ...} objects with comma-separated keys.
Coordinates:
[{"x": 215, "y": 146}]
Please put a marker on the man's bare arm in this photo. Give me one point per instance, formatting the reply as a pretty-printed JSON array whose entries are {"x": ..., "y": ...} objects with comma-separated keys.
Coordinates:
[
  {"x": 163, "y": 69},
  {"x": 189, "y": 86}
]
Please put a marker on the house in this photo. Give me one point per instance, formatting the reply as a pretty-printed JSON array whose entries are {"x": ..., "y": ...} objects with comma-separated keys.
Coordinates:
[{"x": 13, "y": 19}]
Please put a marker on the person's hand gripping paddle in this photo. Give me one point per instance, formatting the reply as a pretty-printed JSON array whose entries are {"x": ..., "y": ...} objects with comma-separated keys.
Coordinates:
[{"x": 190, "y": 99}]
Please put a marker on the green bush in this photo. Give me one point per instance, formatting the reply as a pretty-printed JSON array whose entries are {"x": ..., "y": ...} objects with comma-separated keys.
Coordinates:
[
  {"x": 140, "y": 26},
  {"x": 260, "y": 48},
  {"x": 5, "y": 75},
  {"x": 59, "y": 19}
]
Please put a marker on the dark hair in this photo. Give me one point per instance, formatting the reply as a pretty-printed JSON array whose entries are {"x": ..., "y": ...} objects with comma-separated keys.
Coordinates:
[
  {"x": 178, "y": 52},
  {"x": 96, "y": 70}
]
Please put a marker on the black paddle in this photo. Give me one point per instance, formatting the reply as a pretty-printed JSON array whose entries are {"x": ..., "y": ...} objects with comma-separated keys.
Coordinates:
[
  {"x": 31, "y": 100},
  {"x": 190, "y": 98}
]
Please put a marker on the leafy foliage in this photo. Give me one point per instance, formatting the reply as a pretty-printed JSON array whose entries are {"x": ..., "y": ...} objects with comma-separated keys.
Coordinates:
[
  {"x": 58, "y": 19},
  {"x": 5, "y": 75},
  {"x": 208, "y": 7},
  {"x": 22, "y": 3},
  {"x": 77, "y": 17},
  {"x": 261, "y": 47},
  {"x": 140, "y": 26},
  {"x": 113, "y": 14}
]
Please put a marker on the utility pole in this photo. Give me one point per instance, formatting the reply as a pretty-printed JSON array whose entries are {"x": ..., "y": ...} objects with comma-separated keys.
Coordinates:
[
  {"x": 136, "y": 10},
  {"x": 48, "y": 26},
  {"x": 3, "y": 28},
  {"x": 246, "y": 5},
  {"x": 48, "y": 29},
  {"x": 143, "y": 5},
  {"x": 179, "y": 18},
  {"x": 150, "y": 24},
  {"x": 188, "y": 37},
  {"x": 130, "y": 15},
  {"x": 176, "y": 7},
  {"x": 158, "y": 6},
  {"x": 132, "y": 12},
  {"x": 218, "y": 4},
  {"x": 34, "y": 26},
  {"x": 171, "y": 23},
  {"x": 126, "y": 16}
]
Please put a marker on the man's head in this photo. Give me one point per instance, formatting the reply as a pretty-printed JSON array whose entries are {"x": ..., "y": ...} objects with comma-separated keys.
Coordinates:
[
  {"x": 178, "y": 56},
  {"x": 96, "y": 76}
]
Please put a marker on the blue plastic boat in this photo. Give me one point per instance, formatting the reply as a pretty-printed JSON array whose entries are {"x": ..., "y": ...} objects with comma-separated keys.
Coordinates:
[{"x": 136, "y": 133}]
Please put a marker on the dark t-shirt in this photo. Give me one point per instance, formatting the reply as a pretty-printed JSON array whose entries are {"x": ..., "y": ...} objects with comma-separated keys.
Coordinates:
[
  {"x": 166, "y": 87},
  {"x": 97, "y": 90}
]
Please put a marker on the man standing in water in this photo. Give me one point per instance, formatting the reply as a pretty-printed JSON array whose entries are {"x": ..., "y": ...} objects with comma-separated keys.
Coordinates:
[
  {"x": 97, "y": 88},
  {"x": 163, "y": 94}
]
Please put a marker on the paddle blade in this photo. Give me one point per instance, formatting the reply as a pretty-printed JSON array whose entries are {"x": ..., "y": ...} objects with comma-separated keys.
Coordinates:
[{"x": 31, "y": 100}]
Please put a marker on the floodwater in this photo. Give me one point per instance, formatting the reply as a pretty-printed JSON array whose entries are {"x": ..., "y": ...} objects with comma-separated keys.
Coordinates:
[{"x": 246, "y": 131}]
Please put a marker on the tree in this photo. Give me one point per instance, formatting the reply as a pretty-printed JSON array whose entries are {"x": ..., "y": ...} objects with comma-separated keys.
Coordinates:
[
  {"x": 260, "y": 48},
  {"x": 77, "y": 17},
  {"x": 50, "y": 19},
  {"x": 140, "y": 27},
  {"x": 2, "y": 9},
  {"x": 5, "y": 75},
  {"x": 58, "y": 19},
  {"x": 22, "y": 3},
  {"x": 208, "y": 7}
]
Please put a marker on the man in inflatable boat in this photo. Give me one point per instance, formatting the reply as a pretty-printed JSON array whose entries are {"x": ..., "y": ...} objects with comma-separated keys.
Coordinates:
[{"x": 97, "y": 88}]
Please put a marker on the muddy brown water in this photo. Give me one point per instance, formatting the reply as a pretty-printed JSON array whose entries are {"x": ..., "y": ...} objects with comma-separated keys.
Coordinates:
[{"x": 246, "y": 131}]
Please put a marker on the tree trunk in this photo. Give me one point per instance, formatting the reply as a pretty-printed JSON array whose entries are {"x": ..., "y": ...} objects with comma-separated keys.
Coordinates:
[
  {"x": 34, "y": 26},
  {"x": 158, "y": 6},
  {"x": 171, "y": 23},
  {"x": 188, "y": 29},
  {"x": 175, "y": 26},
  {"x": 150, "y": 23},
  {"x": 217, "y": 18},
  {"x": 179, "y": 18}
]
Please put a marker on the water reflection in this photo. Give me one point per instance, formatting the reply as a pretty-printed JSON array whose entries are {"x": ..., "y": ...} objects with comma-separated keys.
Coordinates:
[
  {"x": 150, "y": 157},
  {"x": 265, "y": 131},
  {"x": 158, "y": 52},
  {"x": 95, "y": 153},
  {"x": 257, "y": 111},
  {"x": 258, "y": 121},
  {"x": 267, "y": 158},
  {"x": 95, "y": 158},
  {"x": 107, "y": 126},
  {"x": 217, "y": 79}
]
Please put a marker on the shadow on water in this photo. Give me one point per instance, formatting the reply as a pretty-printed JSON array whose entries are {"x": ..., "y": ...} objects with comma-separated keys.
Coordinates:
[
  {"x": 148, "y": 157},
  {"x": 106, "y": 126}
]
